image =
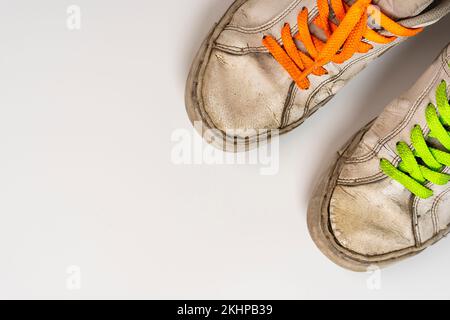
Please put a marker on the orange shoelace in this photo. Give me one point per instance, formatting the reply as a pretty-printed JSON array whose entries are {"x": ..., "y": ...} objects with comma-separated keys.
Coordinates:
[{"x": 343, "y": 39}]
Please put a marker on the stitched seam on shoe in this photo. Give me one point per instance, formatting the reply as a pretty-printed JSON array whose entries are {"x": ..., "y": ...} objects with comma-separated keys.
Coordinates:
[
  {"x": 267, "y": 25},
  {"x": 249, "y": 49},
  {"x": 396, "y": 159},
  {"x": 376, "y": 149},
  {"x": 290, "y": 99},
  {"x": 446, "y": 66},
  {"x": 239, "y": 50},
  {"x": 358, "y": 181},
  {"x": 415, "y": 218},
  {"x": 332, "y": 79},
  {"x": 335, "y": 77},
  {"x": 435, "y": 207},
  {"x": 434, "y": 218},
  {"x": 373, "y": 178},
  {"x": 320, "y": 87}
]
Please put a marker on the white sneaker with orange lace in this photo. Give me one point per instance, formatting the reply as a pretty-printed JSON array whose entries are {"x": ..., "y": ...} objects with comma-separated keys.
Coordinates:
[{"x": 269, "y": 65}]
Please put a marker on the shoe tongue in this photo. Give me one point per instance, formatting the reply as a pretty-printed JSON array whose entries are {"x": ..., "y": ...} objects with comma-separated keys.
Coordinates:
[{"x": 401, "y": 9}]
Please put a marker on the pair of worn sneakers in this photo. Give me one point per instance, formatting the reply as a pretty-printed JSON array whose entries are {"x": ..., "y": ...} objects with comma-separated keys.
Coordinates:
[{"x": 270, "y": 64}]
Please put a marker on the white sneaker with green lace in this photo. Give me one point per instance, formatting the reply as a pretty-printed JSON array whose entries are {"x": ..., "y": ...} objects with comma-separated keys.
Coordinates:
[{"x": 387, "y": 197}]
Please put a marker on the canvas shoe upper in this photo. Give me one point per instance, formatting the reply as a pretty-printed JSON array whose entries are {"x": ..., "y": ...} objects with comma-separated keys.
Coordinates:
[
  {"x": 239, "y": 81},
  {"x": 387, "y": 197}
]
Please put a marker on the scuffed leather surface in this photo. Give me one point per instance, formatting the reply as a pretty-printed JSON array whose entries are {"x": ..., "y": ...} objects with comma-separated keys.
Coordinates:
[
  {"x": 372, "y": 214},
  {"x": 244, "y": 92},
  {"x": 260, "y": 15},
  {"x": 403, "y": 8},
  {"x": 245, "y": 32},
  {"x": 243, "y": 87},
  {"x": 363, "y": 221}
]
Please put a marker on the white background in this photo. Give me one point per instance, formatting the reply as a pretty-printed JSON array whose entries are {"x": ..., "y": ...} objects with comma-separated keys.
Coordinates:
[{"x": 86, "y": 177}]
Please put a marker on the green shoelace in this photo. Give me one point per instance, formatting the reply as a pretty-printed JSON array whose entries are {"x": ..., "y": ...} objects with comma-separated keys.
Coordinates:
[{"x": 422, "y": 163}]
